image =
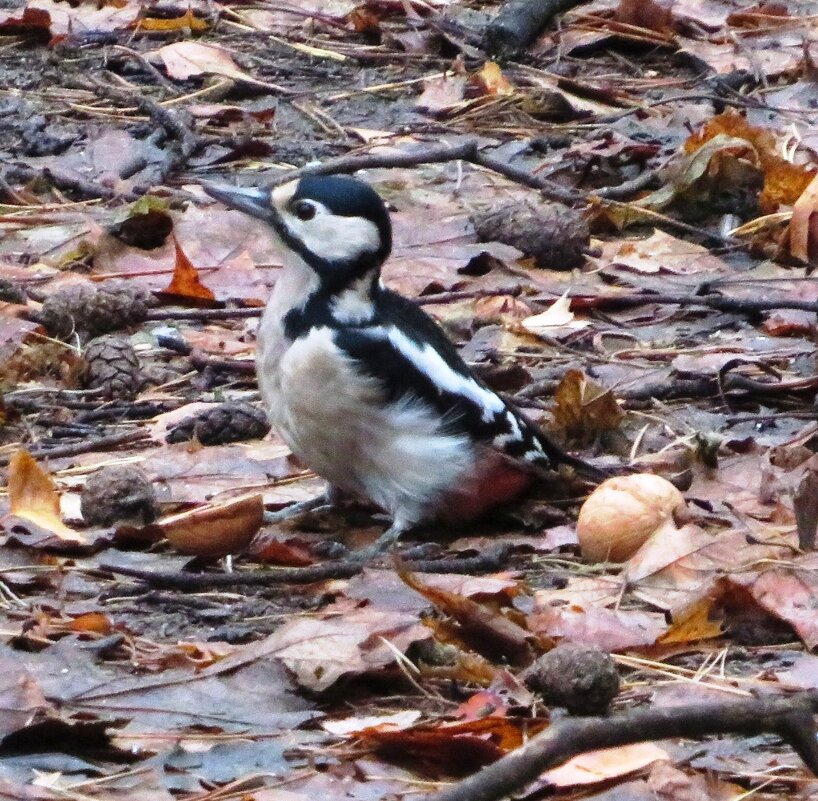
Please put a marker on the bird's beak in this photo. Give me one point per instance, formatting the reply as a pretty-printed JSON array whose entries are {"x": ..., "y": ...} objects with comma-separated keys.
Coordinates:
[{"x": 255, "y": 202}]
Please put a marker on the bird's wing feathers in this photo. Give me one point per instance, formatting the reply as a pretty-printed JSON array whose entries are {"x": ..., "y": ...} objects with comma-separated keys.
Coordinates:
[{"x": 410, "y": 355}]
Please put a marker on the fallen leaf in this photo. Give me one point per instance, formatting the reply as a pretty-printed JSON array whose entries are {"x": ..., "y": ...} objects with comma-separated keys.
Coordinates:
[
  {"x": 583, "y": 408},
  {"x": 355, "y": 725},
  {"x": 694, "y": 625},
  {"x": 557, "y": 315},
  {"x": 216, "y": 529},
  {"x": 491, "y": 81},
  {"x": 487, "y": 631},
  {"x": 187, "y": 59},
  {"x": 441, "y": 95},
  {"x": 604, "y": 765},
  {"x": 95, "y": 622},
  {"x": 33, "y": 496},
  {"x": 21, "y": 696},
  {"x": 186, "y": 283},
  {"x": 804, "y": 224},
  {"x": 186, "y": 21},
  {"x": 608, "y": 629},
  {"x": 662, "y": 253}
]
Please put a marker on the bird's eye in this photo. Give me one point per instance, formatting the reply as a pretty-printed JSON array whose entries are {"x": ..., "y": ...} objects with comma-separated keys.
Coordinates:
[{"x": 303, "y": 209}]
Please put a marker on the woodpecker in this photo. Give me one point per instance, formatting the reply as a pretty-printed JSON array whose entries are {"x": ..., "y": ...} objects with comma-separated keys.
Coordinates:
[{"x": 363, "y": 386}]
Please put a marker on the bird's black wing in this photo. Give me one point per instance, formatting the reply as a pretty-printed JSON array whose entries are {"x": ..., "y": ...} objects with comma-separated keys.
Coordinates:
[{"x": 408, "y": 352}]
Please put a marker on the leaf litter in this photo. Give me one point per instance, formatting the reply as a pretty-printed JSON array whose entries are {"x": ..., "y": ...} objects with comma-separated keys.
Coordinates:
[{"x": 683, "y": 344}]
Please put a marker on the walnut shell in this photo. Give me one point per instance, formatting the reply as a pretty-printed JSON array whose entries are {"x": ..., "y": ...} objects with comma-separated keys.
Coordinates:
[{"x": 623, "y": 512}]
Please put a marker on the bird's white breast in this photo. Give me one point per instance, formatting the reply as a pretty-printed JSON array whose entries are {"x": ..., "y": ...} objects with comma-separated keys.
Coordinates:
[{"x": 338, "y": 421}]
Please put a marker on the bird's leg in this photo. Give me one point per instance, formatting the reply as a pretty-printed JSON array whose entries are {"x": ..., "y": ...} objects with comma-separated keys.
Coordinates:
[
  {"x": 295, "y": 509},
  {"x": 381, "y": 545}
]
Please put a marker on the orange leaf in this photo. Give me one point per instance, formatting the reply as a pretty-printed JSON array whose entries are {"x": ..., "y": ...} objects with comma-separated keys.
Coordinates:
[
  {"x": 174, "y": 24},
  {"x": 491, "y": 81},
  {"x": 694, "y": 625},
  {"x": 92, "y": 621},
  {"x": 33, "y": 496},
  {"x": 186, "y": 282}
]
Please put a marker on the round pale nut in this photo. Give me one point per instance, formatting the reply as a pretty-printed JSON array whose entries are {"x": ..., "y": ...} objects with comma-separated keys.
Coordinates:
[{"x": 622, "y": 513}]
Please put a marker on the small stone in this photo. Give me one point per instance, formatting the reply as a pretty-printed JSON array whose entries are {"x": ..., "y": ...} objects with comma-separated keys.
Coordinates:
[
  {"x": 580, "y": 678},
  {"x": 119, "y": 493}
]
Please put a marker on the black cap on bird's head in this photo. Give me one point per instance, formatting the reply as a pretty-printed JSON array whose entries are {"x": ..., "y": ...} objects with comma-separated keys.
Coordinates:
[{"x": 331, "y": 222}]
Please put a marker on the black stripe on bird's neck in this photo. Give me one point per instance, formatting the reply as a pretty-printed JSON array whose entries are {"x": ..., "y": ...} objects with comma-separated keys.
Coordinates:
[{"x": 334, "y": 304}]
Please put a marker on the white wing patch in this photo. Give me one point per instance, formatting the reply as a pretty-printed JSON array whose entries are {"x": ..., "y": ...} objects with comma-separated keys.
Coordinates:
[{"x": 432, "y": 364}]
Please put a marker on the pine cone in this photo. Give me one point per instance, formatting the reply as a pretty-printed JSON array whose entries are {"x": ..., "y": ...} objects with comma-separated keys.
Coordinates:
[
  {"x": 11, "y": 292},
  {"x": 118, "y": 304},
  {"x": 555, "y": 235},
  {"x": 111, "y": 364},
  {"x": 228, "y": 422},
  {"x": 581, "y": 678},
  {"x": 66, "y": 310},
  {"x": 118, "y": 493},
  {"x": 91, "y": 310}
]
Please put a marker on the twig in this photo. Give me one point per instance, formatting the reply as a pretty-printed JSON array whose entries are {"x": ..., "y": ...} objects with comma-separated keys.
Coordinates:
[
  {"x": 148, "y": 67},
  {"x": 519, "y": 22},
  {"x": 712, "y": 301},
  {"x": 203, "y": 314},
  {"x": 790, "y": 718},
  {"x": 170, "y": 121},
  {"x": 493, "y": 559},
  {"x": 468, "y": 294},
  {"x": 201, "y": 360},
  {"x": 467, "y": 150},
  {"x": 86, "y": 446}
]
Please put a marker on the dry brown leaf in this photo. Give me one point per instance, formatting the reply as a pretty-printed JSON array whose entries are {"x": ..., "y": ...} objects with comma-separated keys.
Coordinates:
[
  {"x": 215, "y": 529},
  {"x": 34, "y": 496},
  {"x": 694, "y": 625},
  {"x": 487, "y": 631},
  {"x": 804, "y": 223},
  {"x": 491, "y": 81},
  {"x": 186, "y": 283},
  {"x": 661, "y": 252},
  {"x": 557, "y": 315},
  {"x": 441, "y": 95},
  {"x": 583, "y": 408},
  {"x": 95, "y": 622},
  {"x": 190, "y": 59}
]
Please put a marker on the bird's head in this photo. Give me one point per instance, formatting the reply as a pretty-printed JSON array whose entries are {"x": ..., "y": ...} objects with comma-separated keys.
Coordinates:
[{"x": 338, "y": 226}]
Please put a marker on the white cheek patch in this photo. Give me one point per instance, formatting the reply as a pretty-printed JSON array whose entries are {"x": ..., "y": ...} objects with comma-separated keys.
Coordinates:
[
  {"x": 336, "y": 238},
  {"x": 282, "y": 195},
  {"x": 432, "y": 364}
]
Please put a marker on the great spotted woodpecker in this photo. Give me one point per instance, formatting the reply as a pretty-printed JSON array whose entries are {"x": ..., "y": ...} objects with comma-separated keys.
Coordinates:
[{"x": 362, "y": 384}]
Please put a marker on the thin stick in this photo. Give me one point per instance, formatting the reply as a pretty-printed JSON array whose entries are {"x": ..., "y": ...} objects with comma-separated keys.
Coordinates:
[
  {"x": 86, "y": 446},
  {"x": 790, "y": 718}
]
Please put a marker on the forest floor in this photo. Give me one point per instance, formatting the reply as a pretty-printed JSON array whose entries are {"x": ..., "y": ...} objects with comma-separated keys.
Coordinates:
[{"x": 615, "y": 224}]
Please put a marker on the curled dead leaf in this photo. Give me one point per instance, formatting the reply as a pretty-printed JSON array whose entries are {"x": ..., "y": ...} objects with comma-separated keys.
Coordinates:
[
  {"x": 34, "y": 497},
  {"x": 585, "y": 408},
  {"x": 215, "y": 530}
]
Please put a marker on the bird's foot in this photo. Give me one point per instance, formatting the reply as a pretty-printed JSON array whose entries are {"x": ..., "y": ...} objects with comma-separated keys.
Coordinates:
[
  {"x": 295, "y": 509},
  {"x": 383, "y": 544}
]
